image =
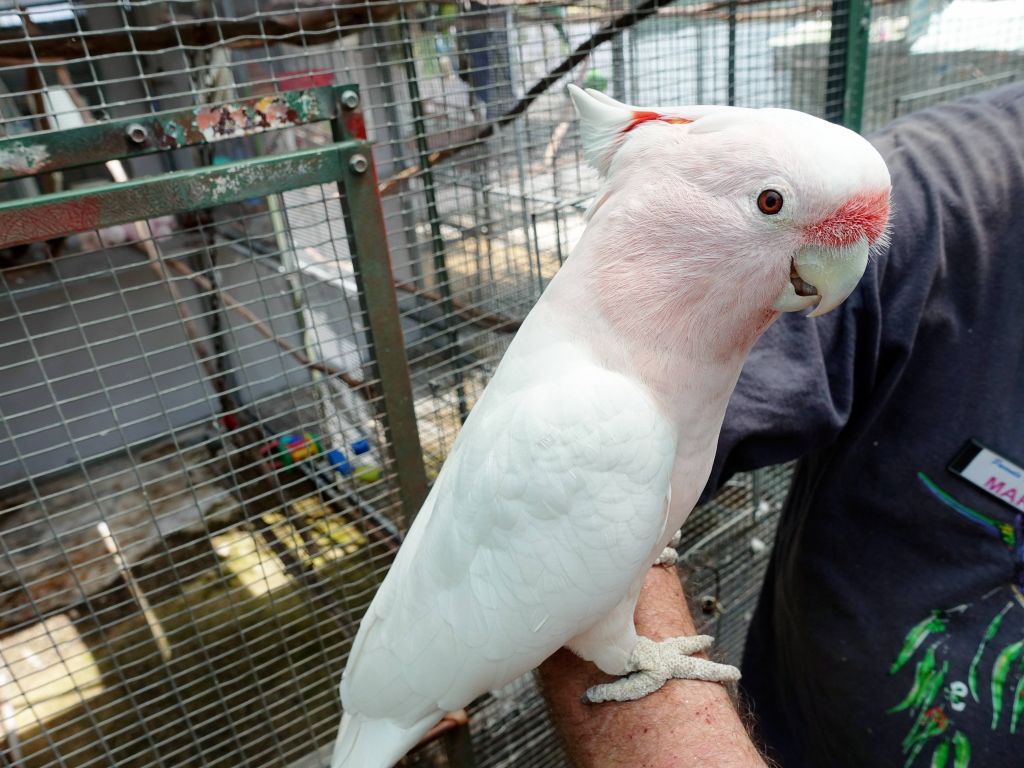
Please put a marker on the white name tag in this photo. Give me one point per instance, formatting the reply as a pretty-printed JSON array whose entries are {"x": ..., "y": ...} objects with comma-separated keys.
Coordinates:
[{"x": 992, "y": 473}]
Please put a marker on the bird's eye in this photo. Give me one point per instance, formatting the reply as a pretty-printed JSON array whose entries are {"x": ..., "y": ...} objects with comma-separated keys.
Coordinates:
[{"x": 769, "y": 202}]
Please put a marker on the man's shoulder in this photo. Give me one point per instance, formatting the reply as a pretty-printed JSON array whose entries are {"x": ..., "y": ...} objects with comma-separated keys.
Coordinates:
[{"x": 957, "y": 168}]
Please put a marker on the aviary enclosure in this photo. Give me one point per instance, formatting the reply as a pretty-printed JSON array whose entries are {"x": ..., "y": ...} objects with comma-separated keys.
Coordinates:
[{"x": 257, "y": 262}]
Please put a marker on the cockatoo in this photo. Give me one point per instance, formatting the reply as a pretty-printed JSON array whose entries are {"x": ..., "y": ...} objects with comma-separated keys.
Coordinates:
[{"x": 596, "y": 435}]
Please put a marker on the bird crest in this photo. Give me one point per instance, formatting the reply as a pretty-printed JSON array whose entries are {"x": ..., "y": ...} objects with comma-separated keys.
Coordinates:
[{"x": 605, "y": 123}]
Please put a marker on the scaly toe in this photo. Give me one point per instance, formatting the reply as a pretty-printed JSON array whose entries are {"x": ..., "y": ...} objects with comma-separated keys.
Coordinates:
[
  {"x": 688, "y": 645},
  {"x": 629, "y": 688},
  {"x": 692, "y": 668},
  {"x": 673, "y": 658}
]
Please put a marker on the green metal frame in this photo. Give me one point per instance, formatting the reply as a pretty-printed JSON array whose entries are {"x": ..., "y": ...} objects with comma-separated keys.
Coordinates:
[
  {"x": 348, "y": 162},
  {"x": 848, "y": 61},
  {"x": 65, "y": 213},
  {"x": 856, "y": 63},
  {"x": 375, "y": 280},
  {"x": 162, "y": 131}
]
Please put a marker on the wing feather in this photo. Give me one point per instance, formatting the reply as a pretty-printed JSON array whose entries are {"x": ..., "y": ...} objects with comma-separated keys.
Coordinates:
[{"x": 552, "y": 500}]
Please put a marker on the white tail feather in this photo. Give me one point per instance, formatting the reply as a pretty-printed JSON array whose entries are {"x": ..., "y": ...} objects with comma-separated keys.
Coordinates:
[{"x": 367, "y": 743}]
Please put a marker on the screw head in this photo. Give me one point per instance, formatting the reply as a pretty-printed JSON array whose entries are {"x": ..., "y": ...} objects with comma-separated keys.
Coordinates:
[
  {"x": 137, "y": 133},
  {"x": 359, "y": 163},
  {"x": 350, "y": 99}
]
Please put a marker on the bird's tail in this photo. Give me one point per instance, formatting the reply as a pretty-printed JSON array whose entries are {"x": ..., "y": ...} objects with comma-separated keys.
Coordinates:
[{"x": 369, "y": 743}]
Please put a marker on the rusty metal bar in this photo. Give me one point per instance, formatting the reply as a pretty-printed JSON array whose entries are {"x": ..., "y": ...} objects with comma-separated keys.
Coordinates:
[
  {"x": 131, "y": 137},
  {"x": 66, "y": 213},
  {"x": 371, "y": 259}
]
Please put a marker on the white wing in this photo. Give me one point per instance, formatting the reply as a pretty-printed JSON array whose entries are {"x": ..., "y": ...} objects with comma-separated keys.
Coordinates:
[{"x": 552, "y": 500}]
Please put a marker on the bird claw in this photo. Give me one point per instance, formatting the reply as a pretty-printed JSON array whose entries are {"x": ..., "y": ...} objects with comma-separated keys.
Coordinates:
[
  {"x": 652, "y": 664},
  {"x": 669, "y": 556}
]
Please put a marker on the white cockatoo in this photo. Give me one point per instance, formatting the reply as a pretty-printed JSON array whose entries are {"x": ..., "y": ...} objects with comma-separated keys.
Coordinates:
[{"x": 596, "y": 435}]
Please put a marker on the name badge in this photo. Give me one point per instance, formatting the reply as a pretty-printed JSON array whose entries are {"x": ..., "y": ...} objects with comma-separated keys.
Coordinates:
[{"x": 992, "y": 473}]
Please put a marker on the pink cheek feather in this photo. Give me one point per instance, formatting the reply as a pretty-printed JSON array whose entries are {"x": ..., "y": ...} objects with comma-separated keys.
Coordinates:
[{"x": 864, "y": 215}]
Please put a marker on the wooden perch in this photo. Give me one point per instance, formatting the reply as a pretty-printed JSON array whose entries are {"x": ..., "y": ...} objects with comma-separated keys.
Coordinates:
[
  {"x": 255, "y": 31},
  {"x": 457, "y": 719},
  {"x": 152, "y": 621}
]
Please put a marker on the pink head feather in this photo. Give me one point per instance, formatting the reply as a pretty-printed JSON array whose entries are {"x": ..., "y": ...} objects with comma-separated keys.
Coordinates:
[{"x": 678, "y": 254}]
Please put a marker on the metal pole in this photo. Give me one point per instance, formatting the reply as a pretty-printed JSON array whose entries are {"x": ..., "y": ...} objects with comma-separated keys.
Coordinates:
[
  {"x": 857, "y": 64},
  {"x": 618, "y": 57},
  {"x": 835, "y": 76},
  {"x": 732, "y": 53},
  {"x": 364, "y": 223},
  {"x": 698, "y": 28},
  {"x": 430, "y": 190},
  {"x": 847, "y": 62}
]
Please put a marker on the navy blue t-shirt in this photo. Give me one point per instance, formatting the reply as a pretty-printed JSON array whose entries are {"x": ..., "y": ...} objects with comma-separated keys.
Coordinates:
[{"x": 890, "y": 630}]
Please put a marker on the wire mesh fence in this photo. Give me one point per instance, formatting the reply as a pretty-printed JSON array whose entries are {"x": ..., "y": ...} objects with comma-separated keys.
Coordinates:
[{"x": 197, "y": 481}]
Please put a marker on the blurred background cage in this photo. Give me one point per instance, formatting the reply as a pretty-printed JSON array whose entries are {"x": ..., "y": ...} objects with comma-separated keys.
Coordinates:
[{"x": 218, "y": 416}]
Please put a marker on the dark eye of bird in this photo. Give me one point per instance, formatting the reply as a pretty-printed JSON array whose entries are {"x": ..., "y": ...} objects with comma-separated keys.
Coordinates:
[{"x": 769, "y": 202}]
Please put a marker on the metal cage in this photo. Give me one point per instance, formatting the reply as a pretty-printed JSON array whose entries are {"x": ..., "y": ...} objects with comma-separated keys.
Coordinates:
[{"x": 237, "y": 337}]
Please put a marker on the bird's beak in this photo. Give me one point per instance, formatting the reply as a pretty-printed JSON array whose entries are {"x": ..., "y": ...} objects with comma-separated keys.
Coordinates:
[{"x": 823, "y": 277}]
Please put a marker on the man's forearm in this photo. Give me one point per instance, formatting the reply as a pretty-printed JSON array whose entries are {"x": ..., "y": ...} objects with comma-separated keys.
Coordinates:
[{"x": 686, "y": 723}]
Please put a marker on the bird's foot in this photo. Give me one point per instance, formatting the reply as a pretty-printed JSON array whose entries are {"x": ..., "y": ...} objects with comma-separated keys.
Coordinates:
[
  {"x": 669, "y": 556},
  {"x": 652, "y": 664}
]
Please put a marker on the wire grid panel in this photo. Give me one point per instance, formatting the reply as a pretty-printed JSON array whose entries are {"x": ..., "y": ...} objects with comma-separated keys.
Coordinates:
[
  {"x": 114, "y": 410},
  {"x": 179, "y": 586}
]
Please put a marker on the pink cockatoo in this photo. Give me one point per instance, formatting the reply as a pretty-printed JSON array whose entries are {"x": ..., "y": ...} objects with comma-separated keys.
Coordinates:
[{"x": 596, "y": 435}]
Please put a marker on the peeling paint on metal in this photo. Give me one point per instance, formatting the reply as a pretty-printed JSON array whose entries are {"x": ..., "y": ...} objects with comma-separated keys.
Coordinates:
[
  {"x": 239, "y": 179},
  {"x": 224, "y": 185},
  {"x": 355, "y": 125},
  {"x": 271, "y": 112},
  {"x": 63, "y": 213},
  {"x": 24, "y": 158},
  {"x": 71, "y": 216},
  {"x": 105, "y": 141},
  {"x": 174, "y": 135}
]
